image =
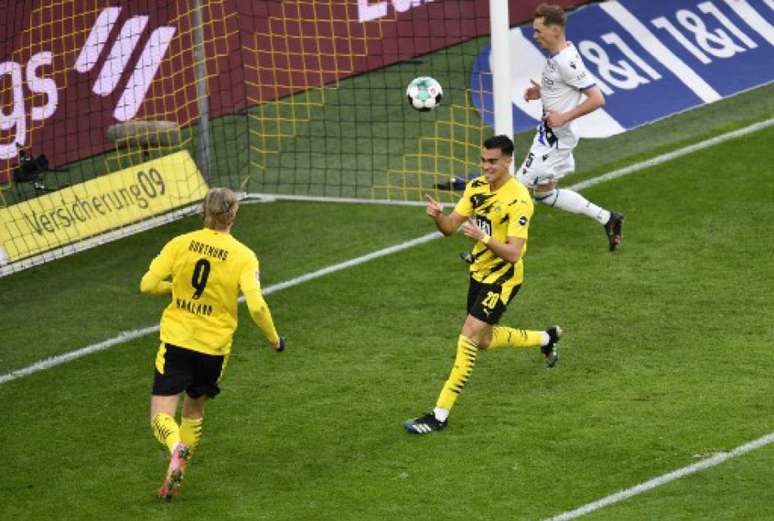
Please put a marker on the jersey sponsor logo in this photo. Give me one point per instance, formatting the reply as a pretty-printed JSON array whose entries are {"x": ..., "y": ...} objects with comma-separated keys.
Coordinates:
[
  {"x": 207, "y": 249},
  {"x": 86, "y": 209},
  {"x": 698, "y": 51},
  {"x": 484, "y": 224}
]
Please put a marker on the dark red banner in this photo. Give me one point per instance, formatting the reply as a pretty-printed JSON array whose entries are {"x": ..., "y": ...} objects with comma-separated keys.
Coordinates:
[{"x": 70, "y": 69}]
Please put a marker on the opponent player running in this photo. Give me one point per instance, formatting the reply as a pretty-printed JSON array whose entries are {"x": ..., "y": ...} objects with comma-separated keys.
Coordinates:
[
  {"x": 207, "y": 268},
  {"x": 502, "y": 208},
  {"x": 550, "y": 157}
]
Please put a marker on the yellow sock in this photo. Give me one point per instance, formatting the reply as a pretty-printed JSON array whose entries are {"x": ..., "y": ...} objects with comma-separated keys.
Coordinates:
[
  {"x": 191, "y": 431},
  {"x": 165, "y": 430},
  {"x": 463, "y": 368},
  {"x": 511, "y": 337}
]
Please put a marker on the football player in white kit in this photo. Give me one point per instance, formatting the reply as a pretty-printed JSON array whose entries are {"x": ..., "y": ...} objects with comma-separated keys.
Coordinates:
[{"x": 564, "y": 82}]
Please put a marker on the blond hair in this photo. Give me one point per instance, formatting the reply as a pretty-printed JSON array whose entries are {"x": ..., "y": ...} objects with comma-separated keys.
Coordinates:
[
  {"x": 551, "y": 14},
  {"x": 219, "y": 208}
]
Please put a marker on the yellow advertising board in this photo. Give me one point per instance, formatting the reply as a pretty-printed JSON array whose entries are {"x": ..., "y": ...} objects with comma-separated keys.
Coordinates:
[{"x": 107, "y": 202}]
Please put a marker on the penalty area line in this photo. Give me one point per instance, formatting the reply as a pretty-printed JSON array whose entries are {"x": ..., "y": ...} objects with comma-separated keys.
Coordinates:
[
  {"x": 619, "y": 496},
  {"x": 126, "y": 336}
]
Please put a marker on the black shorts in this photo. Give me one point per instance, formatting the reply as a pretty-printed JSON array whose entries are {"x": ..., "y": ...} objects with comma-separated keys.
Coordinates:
[
  {"x": 488, "y": 302},
  {"x": 179, "y": 369}
]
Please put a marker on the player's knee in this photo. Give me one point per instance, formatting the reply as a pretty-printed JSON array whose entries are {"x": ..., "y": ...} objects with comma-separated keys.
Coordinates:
[
  {"x": 470, "y": 332},
  {"x": 548, "y": 197},
  {"x": 486, "y": 339},
  {"x": 477, "y": 331}
]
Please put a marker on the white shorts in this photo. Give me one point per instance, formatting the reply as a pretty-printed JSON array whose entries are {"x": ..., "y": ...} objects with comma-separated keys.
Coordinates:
[{"x": 545, "y": 164}]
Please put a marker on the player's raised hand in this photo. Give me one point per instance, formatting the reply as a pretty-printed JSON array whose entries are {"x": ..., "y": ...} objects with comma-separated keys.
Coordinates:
[
  {"x": 532, "y": 92},
  {"x": 471, "y": 229},
  {"x": 434, "y": 208}
]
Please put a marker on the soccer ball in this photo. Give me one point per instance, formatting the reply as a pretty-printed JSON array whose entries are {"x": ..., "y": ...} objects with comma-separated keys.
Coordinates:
[{"x": 424, "y": 93}]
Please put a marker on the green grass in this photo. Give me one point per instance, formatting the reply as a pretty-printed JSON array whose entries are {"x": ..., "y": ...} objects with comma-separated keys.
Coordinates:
[
  {"x": 291, "y": 239},
  {"x": 666, "y": 358},
  {"x": 739, "y": 479}
]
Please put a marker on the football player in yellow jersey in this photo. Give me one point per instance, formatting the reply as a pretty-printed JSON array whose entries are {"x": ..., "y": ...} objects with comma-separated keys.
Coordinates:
[
  {"x": 207, "y": 268},
  {"x": 495, "y": 211}
]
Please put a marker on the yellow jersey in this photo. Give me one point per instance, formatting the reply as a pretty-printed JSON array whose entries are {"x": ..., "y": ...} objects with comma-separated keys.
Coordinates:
[
  {"x": 504, "y": 213},
  {"x": 208, "y": 269}
]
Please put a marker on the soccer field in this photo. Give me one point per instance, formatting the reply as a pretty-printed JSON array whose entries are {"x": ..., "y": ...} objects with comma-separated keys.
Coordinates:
[{"x": 666, "y": 361}]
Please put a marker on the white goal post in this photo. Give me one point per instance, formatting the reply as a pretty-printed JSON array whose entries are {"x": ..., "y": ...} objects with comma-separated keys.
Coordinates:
[{"x": 501, "y": 67}]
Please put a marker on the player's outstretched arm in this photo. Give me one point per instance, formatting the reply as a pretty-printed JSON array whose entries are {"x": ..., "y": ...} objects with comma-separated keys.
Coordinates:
[
  {"x": 153, "y": 285},
  {"x": 259, "y": 312},
  {"x": 446, "y": 224},
  {"x": 250, "y": 285}
]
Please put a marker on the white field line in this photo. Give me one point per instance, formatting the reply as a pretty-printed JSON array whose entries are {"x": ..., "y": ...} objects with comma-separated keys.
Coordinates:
[
  {"x": 48, "y": 363},
  {"x": 92, "y": 242},
  {"x": 126, "y": 336},
  {"x": 257, "y": 197},
  {"x": 663, "y": 158},
  {"x": 717, "y": 459}
]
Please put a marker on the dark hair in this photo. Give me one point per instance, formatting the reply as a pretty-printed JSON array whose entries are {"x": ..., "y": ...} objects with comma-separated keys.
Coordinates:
[
  {"x": 551, "y": 14},
  {"x": 502, "y": 142}
]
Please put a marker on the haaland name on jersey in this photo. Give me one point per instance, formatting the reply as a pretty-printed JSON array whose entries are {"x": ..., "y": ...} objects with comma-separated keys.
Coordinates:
[{"x": 196, "y": 308}]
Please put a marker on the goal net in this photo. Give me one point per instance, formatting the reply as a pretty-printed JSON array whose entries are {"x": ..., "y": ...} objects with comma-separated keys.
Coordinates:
[
  {"x": 118, "y": 116},
  {"x": 327, "y": 86}
]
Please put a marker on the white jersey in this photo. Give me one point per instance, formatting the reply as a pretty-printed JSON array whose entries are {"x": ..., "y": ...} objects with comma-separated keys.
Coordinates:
[{"x": 564, "y": 77}]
